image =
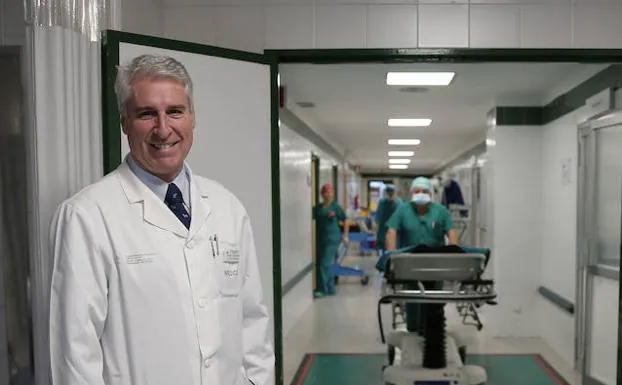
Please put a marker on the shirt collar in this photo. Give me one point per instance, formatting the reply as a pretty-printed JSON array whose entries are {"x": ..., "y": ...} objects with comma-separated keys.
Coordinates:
[{"x": 157, "y": 185}]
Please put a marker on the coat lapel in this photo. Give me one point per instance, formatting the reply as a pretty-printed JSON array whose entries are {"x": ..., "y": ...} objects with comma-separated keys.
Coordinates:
[
  {"x": 155, "y": 212},
  {"x": 200, "y": 206}
]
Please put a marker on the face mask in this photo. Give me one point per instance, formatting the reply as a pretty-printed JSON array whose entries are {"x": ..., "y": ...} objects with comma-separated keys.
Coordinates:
[{"x": 421, "y": 198}]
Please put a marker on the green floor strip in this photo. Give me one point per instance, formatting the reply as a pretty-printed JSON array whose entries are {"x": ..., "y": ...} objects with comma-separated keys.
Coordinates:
[{"x": 365, "y": 369}]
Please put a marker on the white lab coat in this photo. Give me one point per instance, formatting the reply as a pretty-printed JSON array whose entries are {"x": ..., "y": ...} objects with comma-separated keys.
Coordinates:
[{"x": 137, "y": 299}]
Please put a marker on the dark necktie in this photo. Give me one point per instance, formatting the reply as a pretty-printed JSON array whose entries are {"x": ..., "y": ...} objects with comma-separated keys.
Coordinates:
[{"x": 175, "y": 201}]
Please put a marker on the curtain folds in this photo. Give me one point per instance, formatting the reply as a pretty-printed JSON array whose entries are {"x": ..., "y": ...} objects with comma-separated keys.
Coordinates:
[{"x": 66, "y": 147}]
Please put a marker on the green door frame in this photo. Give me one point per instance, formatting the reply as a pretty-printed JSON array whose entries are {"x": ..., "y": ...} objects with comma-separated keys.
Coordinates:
[{"x": 111, "y": 135}]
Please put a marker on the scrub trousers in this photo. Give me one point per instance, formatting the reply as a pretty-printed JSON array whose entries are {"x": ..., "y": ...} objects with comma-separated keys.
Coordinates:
[
  {"x": 416, "y": 313},
  {"x": 324, "y": 265}
]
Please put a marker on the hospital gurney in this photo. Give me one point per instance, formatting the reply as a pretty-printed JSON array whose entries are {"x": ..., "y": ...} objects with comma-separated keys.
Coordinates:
[
  {"x": 339, "y": 270},
  {"x": 467, "y": 310},
  {"x": 432, "y": 356}
]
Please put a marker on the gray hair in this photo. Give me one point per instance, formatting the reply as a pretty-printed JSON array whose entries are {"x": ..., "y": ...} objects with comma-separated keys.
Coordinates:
[{"x": 149, "y": 66}]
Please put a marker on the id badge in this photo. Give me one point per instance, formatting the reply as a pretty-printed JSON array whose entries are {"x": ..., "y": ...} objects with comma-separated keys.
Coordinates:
[{"x": 231, "y": 261}]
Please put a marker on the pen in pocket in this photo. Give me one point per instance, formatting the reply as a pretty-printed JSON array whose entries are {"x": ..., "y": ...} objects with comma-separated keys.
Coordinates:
[{"x": 211, "y": 242}]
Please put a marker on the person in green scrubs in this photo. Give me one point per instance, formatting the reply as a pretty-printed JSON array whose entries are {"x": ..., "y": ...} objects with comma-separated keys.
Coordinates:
[
  {"x": 420, "y": 223},
  {"x": 327, "y": 215},
  {"x": 386, "y": 207}
]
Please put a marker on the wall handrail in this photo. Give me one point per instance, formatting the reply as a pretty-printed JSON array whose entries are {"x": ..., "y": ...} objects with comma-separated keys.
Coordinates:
[{"x": 557, "y": 300}]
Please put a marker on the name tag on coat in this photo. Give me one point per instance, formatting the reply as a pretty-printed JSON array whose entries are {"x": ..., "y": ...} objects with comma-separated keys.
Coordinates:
[
  {"x": 137, "y": 259},
  {"x": 231, "y": 260}
]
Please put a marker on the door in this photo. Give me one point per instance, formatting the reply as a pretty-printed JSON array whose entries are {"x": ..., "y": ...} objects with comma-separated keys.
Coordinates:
[
  {"x": 315, "y": 199},
  {"x": 598, "y": 249},
  {"x": 236, "y": 138}
]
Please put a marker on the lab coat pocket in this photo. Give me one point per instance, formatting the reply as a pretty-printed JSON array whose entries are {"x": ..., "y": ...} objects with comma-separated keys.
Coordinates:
[{"x": 230, "y": 271}]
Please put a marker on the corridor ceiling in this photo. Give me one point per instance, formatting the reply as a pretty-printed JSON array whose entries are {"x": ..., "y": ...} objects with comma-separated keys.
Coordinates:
[{"x": 352, "y": 104}]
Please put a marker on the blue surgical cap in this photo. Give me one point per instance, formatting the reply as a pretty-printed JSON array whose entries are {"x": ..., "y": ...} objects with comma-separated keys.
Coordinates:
[
  {"x": 422, "y": 183},
  {"x": 389, "y": 187}
]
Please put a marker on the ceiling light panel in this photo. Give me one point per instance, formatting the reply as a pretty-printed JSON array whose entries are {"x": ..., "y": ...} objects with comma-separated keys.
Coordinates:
[
  {"x": 409, "y": 122},
  {"x": 398, "y": 166},
  {"x": 419, "y": 78},
  {"x": 399, "y": 161},
  {"x": 404, "y": 142},
  {"x": 401, "y": 153}
]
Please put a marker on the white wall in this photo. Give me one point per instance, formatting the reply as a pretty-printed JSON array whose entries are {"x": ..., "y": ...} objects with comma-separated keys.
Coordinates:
[
  {"x": 381, "y": 24},
  {"x": 143, "y": 16},
  {"x": 295, "y": 169},
  {"x": 296, "y": 220},
  {"x": 516, "y": 162}
]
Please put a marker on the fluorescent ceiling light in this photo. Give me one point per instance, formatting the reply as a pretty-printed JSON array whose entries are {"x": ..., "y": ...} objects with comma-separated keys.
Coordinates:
[
  {"x": 419, "y": 78},
  {"x": 409, "y": 122},
  {"x": 399, "y": 161},
  {"x": 401, "y": 153},
  {"x": 398, "y": 166},
  {"x": 404, "y": 142}
]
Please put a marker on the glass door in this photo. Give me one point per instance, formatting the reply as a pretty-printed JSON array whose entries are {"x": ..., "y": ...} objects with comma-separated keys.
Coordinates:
[{"x": 599, "y": 246}]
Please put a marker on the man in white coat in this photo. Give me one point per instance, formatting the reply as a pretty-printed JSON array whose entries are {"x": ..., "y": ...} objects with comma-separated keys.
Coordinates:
[{"x": 155, "y": 278}]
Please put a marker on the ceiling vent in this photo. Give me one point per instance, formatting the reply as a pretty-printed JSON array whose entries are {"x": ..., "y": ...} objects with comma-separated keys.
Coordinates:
[
  {"x": 305, "y": 104},
  {"x": 414, "y": 90}
]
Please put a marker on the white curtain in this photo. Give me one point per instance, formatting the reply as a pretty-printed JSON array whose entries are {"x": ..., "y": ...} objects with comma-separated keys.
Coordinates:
[{"x": 65, "y": 133}]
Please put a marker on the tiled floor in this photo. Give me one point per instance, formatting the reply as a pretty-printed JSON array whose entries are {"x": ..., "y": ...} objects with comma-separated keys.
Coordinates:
[
  {"x": 366, "y": 369},
  {"x": 347, "y": 323}
]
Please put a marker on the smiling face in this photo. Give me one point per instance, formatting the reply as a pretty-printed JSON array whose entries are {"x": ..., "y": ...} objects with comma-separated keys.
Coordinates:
[{"x": 159, "y": 125}]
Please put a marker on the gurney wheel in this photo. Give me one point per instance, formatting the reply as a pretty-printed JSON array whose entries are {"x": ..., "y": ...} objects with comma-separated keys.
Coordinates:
[{"x": 365, "y": 280}]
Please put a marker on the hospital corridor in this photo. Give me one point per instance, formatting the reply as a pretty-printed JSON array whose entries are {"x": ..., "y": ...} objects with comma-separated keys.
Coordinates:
[
  {"x": 310, "y": 192},
  {"x": 513, "y": 211}
]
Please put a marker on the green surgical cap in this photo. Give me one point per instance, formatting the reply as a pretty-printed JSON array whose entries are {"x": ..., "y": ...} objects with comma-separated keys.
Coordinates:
[{"x": 421, "y": 182}]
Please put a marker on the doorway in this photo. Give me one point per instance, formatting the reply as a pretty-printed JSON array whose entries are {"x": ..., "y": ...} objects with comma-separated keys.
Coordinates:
[{"x": 375, "y": 191}]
